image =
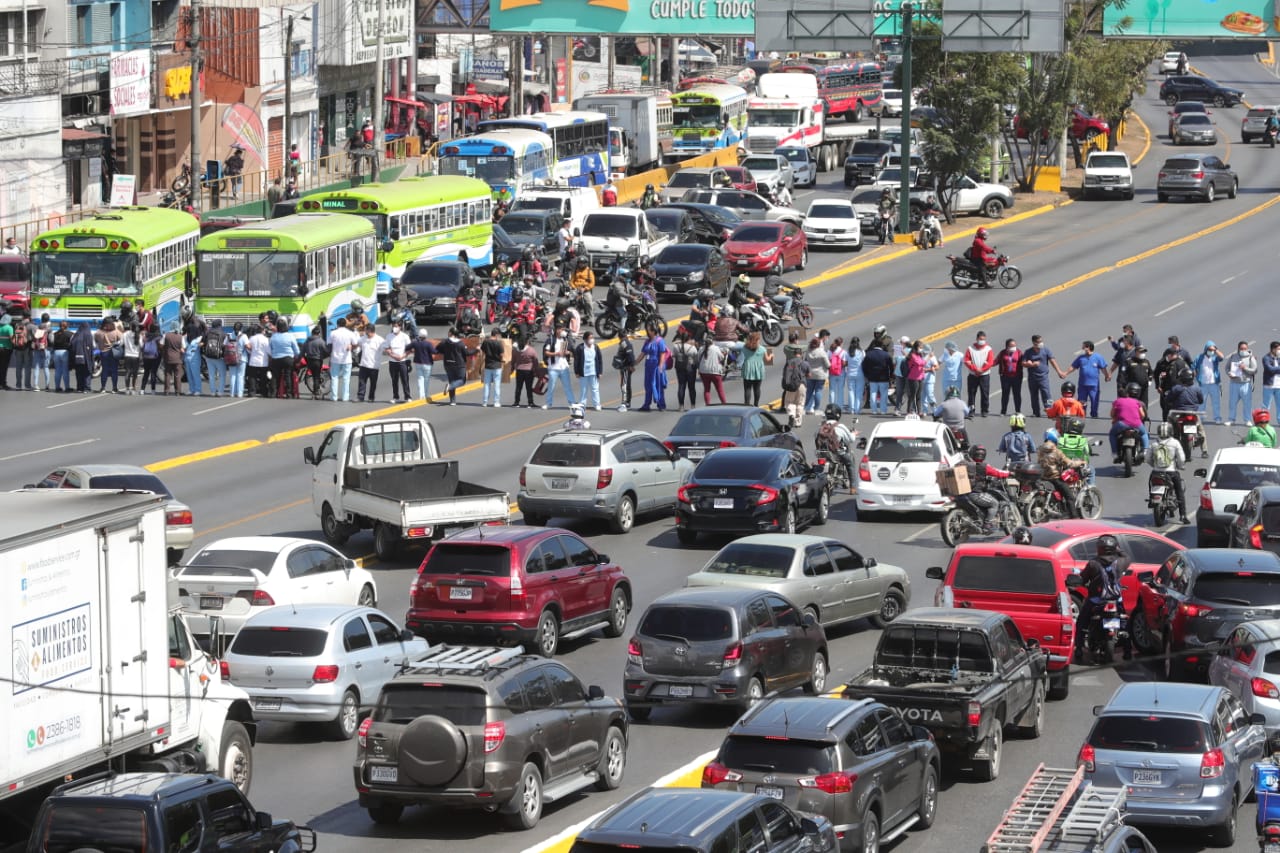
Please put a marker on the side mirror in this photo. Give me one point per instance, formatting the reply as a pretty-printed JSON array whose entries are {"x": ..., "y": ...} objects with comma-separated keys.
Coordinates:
[
  {"x": 407, "y": 636},
  {"x": 302, "y": 289},
  {"x": 809, "y": 620},
  {"x": 309, "y": 455},
  {"x": 1231, "y": 508},
  {"x": 29, "y": 486},
  {"x": 188, "y": 286},
  {"x": 601, "y": 559},
  {"x": 809, "y": 826},
  {"x": 1075, "y": 579},
  {"x": 935, "y": 573},
  {"x": 577, "y": 232},
  {"x": 595, "y": 691},
  {"x": 387, "y": 245},
  {"x": 1097, "y": 709},
  {"x": 870, "y": 563},
  {"x": 1257, "y": 719},
  {"x": 263, "y": 820},
  {"x": 1146, "y": 577},
  {"x": 349, "y": 564},
  {"x": 1200, "y": 472}
]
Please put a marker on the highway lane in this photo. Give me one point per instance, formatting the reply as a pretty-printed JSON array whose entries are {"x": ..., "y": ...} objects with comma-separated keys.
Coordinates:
[{"x": 259, "y": 491}]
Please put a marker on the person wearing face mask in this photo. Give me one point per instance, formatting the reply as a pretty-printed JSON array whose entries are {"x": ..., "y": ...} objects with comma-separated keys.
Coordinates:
[
  {"x": 555, "y": 354},
  {"x": 1092, "y": 367},
  {"x": 1241, "y": 368},
  {"x": 979, "y": 359},
  {"x": 1209, "y": 378},
  {"x": 454, "y": 353},
  {"x": 398, "y": 358},
  {"x": 1271, "y": 378}
]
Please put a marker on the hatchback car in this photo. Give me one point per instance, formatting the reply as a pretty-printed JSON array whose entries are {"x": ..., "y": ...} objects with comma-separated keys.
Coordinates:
[
  {"x": 1198, "y": 597},
  {"x": 614, "y": 474},
  {"x": 701, "y": 431},
  {"x": 829, "y": 757},
  {"x": 1184, "y": 107},
  {"x": 1193, "y": 129},
  {"x": 771, "y": 171},
  {"x": 535, "y": 228},
  {"x": 750, "y": 206},
  {"x": 1169, "y": 62},
  {"x": 682, "y": 269},
  {"x": 232, "y": 578},
  {"x": 899, "y": 467},
  {"x": 1202, "y": 176},
  {"x": 179, "y": 530},
  {"x": 676, "y": 224},
  {"x": 766, "y": 247},
  {"x": 1232, "y": 473},
  {"x": 823, "y": 576},
  {"x": 741, "y": 178},
  {"x": 432, "y": 288},
  {"x": 1180, "y": 87},
  {"x": 750, "y": 490},
  {"x": 1248, "y": 664},
  {"x": 713, "y": 222},
  {"x": 318, "y": 662},
  {"x": 1182, "y": 752},
  {"x": 1254, "y": 124},
  {"x": 833, "y": 222},
  {"x": 722, "y": 646},
  {"x": 517, "y": 585},
  {"x": 1257, "y": 521}
]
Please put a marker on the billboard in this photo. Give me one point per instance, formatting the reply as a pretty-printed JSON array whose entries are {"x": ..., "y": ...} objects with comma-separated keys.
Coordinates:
[
  {"x": 130, "y": 82},
  {"x": 625, "y": 17},
  {"x": 1193, "y": 19}
]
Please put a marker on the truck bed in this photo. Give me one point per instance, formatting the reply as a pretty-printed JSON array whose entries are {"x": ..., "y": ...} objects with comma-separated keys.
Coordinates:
[
  {"x": 404, "y": 481},
  {"x": 469, "y": 503},
  {"x": 926, "y": 697}
]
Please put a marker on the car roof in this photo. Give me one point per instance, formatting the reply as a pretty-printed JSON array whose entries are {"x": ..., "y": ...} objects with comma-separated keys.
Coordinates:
[
  {"x": 799, "y": 717},
  {"x": 966, "y": 617},
  {"x": 137, "y": 786},
  {"x": 1228, "y": 559},
  {"x": 504, "y": 534},
  {"x": 658, "y": 815},
  {"x": 1076, "y": 527},
  {"x": 701, "y": 247},
  {"x": 1268, "y": 494},
  {"x": 1268, "y": 455},
  {"x": 909, "y": 429},
  {"x": 1267, "y": 628},
  {"x": 305, "y": 615},
  {"x": 831, "y": 200},
  {"x": 787, "y": 540},
  {"x": 99, "y": 469},
  {"x": 751, "y": 452},
  {"x": 591, "y": 436},
  {"x": 709, "y": 596},
  {"x": 438, "y": 262},
  {"x": 1164, "y": 697},
  {"x": 266, "y": 544}
]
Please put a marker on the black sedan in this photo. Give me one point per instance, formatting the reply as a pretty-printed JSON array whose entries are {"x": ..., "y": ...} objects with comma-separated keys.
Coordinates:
[
  {"x": 751, "y": 490},
  {"x": 433, "y": 287},
  {"x": 685, "y": 268},
  {"x": 535, "y": 228},
  {"x": 676, "y": 224},
  {"x": 701, "y": 431},
  {"x": 1257, "y": 521},
  {"x": 717, "y": 222}
]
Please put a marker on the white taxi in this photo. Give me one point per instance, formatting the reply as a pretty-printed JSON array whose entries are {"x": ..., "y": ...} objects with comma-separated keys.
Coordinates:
[{"x": 898, "y": 470}]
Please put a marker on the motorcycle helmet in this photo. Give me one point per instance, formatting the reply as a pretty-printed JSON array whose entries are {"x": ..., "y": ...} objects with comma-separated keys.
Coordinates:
[
  {"x": 648, "y": 188},
  {"x": 978, "y": 453},
  {"x": 1051, "y": 435},
  {"x": 1108, "y": 546},
  {"x": 832, "y": 412},
  {"x": 1133, "y": 389},
  {"x": 744, "y": 280},
  {"x": 527, "y": 253},
  {"x": 645, "y": 261},
  {"x": 1017, "y": 421},
  {"x": 981, "y": 234},
  {"x": 1075, "y": 426},
  {"x": 878, "y": 331},
  {"x": 1261, "y": 416},
  {"x": 1163, "y": 430},
  {"x": 953, "y": 393},
  {"x": 1068, "y": 389},
  {"x": 1021, "y": 536},
  {"x": 357, "y": 305},
  {"x": 577, "y": 411},
  {"x": 1186, "y": 377},
  {"x": 729, "y": 311}
]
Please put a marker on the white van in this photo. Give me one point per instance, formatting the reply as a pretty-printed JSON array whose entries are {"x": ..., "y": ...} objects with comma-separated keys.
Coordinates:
[
  {"x": 573, "y": 202},
  {"x": 898, "y": 471}
]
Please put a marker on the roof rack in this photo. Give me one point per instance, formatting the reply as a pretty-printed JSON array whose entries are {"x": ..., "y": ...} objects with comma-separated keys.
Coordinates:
[
  {"x": 474, "y": 659},
  {"x": 1027, "y": 823}
]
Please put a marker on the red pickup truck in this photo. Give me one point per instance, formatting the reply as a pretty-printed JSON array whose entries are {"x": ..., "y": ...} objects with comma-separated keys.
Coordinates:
[{"x": 1023, "y": 582}]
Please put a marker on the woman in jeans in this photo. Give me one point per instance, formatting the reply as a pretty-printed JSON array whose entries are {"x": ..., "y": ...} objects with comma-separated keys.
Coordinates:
[
  {"x": 819, "y": 368},
  {"x": 61, "y": 347},
  {"x": 283, "y": 350},
  {"x": 105, "y": 340},
  {"x": 929, "y": 397},
  {"x": 855, "y": 382},
  {"x": 235, "y": 373},
  {"x": 150, "y": 360},
  {"x": 914, "y": 370},
  {"x": 686, "y": 354},
  {"x": 132, "y": 358},
  {"x": 836, "y": 378},
  {"x": 41, "y": 357},
  {"x": 755, "y": 355}
]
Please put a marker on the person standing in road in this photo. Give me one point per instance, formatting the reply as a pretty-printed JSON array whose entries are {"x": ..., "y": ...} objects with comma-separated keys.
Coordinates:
[
  {"x": 172, "y": 347},
  {"x": 588, "y": 366},
  {"x": 819, "y": 366},
  {"x": 836, "y": 376},
  {"x": 1009, "y": 364},
  {"x": 454, "y": 353},
  {"x": 105, "y": 341},
  {"x": 555, "y": 354},
  {"x": 6, "y": 350},
  {"x": 284, "y": 355},
  {"x": 24, "y": 332},
  {"x": 40, "y": 353},
  {"x": 215, "y": 361},
  {"x": 685, "y": 354},
  {"x": 259, "y": 360},
  {"x": 952, "y": 367},
  {"x": 755, "y": 357},
  {"x": 342, "y": 343},
  {"x": 1092, "y": 368},
  {"x": 1036, "y": 361},
  {"x": 877, "y": 367},
  {"x": 152, "y": 353},
  {"x": 1242, "y": 366},
  {"x": 711, "y": 366},
  {"x": 495, "y": 355},
  {"x": 398, "y": 356},
  {"x": 314, "y": 351},
  {"x": 979, "y": 359},
  {"x": 656, "y": 355},
  {"x": 1271, "y": 379},
  {"x": 564, "y": 241},
  {"x": 1209, "y": 378},
  {"x": 624, "y": 361},
  {"x": 236, "y": 372},
  {"x": 371, "y": 347},
  {"x": 524, "y": 359},
  {"x": 1137, "y": 370},
  {"x": 192, "y": 362},
  {"x": 424, "y": 357},
  {"x": 914, "y": 373},
  {"x": 132, "y": 341}
]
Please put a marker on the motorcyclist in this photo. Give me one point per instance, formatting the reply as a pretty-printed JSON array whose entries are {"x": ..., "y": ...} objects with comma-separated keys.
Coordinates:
[
  {"x": 880, "y": 337},
  {"x": 727, "y": 325},
  {"x": 981, "y": 481},
  {"x": 1021, "y": 536},
  {"x": 843, "y": 439},
  {"x": 356, "y": 319},
  {"x": 1074, "y": 445},
  {"x": 645, "y": 276},
  {"x": 1166, "y": 459},
  {"x": 1101, "y": 577},
  {"x": 886, "y": 208},
  {"x": 983, "y": 254},
  {"x": 1262, "y": 432},
  {"x": 702, "y": 314},
  {"x": 1065, "y": 407},
  {"x": 583, "y": 279},
  {"x": 619, "y": 298},
  {"x": 773, "y": 291},
  {"x": 782, "y": 197},
  {"x": 1015, "y": 444},
  {"x": 1184, "y": 396},
  {"x": 577, "y": 417},
  {"x": 529, "y": 265},
  {"x": 952, "y": 411},
  {"x": 1127, "y": 412},
  {"x": 1053, "y": 462},
  {"x": 649, "y": 198},
  {"x": 501, "y": 273},
  {"x": 741, "y": 293},
  {"x": 1273, "y": 128},
  {"x": 930, "y": 234}
]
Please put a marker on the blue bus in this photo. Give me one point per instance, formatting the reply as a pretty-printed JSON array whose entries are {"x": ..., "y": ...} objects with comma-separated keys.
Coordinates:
[
  {"x": 506, "y": 159},
  {"x": 579, "y": 138}
]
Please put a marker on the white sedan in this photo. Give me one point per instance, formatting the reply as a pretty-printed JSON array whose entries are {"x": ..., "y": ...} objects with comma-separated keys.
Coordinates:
[
  {"x": 231, "y": 579},
  {"x": 832, "y": 222}
]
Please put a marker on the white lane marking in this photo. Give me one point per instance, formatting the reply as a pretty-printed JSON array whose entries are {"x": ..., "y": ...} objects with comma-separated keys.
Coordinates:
[
  {"x": 663, "y": 782},
  {"x": 922, "y": 531},
  {"x": 92, "y": 395},
  {"x": 47, "y": 449},
  {"x": 223, "y": 406},
  {"x": 1177, "y": 304}
]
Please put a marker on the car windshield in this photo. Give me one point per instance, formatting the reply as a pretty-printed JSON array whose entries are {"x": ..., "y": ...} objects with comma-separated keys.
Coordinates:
[
  {"x": 755, "y": 467},
  {"x": 1005, "y": 574},
  {"x": 1148, "y": 733},
  {"x": 684, "y": 253},
  {"x": 609, "y": 225},
  {"x": 869, "y": 148},
  {"x": 927, "y": 647},
  {"x": 278, "y": 642},
  {"x": 831, "y": 211},
  {"x": 720, "y": 215},
  {"x": 1194, "y": 118},
  {"x": 664, "y": 220},
  {"x": 773, "y": 118},
  {"x": 226, "y": 557},
  {"x": 690, "y": 179},
  {"x": 502, "y": 239},
  {"x": 404, "y": 703},
  {"x": 697, "y": 424},
  {"x": 777, "y": 755},
  {"x": 538, "y": 202},
  {"x": 490, "y": 561},
  {"x": 1109, "y": 161},
  {"x": 761, "y": 164},
  {"x": 430, "y": 273},
  {"x": 891, "y": 449},
  {"x": 760, "y": 561},
  {"x": 688, "y": 622},
  {"x": 795, "y": 155},
  {"x": 566, "y": 454},
  {"x": 133, "y": 482},
  {"x": 522, "y": 226},
  {"x": 756, "y": 234},
  {"x": 1242, "y": 477},
  {"x": 1243, "y": 588},
  {"x": 70, "y": 826}
]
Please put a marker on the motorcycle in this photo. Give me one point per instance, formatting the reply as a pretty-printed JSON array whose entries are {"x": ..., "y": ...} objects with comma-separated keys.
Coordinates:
[
  {"x": 1129, "y": 443},
  {"x": 802, "y": 313},
  {"x": 965, "y": 273},
  {"x": 470, "y": 311},
  {"x": 1161, "y": 498},
  {"x": 403, "y": 312},
  {"x": 837, "y": 475},
  {"x": 1271, "y": 136},
  {"x": 1049, "y": 503},
  {"x": 759, "y": 317},
  {"x": 1186, "y": 428},
  {"x": 1107, "y": 630},
  {"x": 884, "y": 227},
  {"x": 642, "y": 313},
  {"x": 964, "y": 519}
]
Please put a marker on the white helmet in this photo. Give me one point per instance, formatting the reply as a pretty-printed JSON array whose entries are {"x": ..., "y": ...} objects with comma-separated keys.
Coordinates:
[{"x": 577, "y": 411}]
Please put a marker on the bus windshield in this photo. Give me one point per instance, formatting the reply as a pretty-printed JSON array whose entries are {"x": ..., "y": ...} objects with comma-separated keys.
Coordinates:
[
  {"x": 486, "y": 167},
  {"x": 704, "y": 115},
  {"x": 225, "y": 274},
  {"x": 773, "y": 118},
  {"x": 77, "y": 273}
]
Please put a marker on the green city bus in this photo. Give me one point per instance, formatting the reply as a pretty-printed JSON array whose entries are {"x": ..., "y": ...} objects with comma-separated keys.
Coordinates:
[
  {"x": 306, "y": 267},
  {"x": 431, "y": 217},
  {"x": 84, "y": 271}
]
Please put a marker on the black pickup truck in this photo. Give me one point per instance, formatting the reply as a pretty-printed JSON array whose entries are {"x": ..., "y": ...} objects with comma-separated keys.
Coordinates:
[
  {"x": 172, "y": 812},
  {"x": 964, "y": 674}
]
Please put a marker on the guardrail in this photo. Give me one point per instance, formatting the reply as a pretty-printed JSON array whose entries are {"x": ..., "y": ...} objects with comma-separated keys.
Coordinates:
[{"x": 25, "y": 232}]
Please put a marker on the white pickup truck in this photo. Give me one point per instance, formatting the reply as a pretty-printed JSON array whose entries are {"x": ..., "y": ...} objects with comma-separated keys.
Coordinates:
[
  {"x": 614, "y": 231},
  {"x": 388, "y": 476}
]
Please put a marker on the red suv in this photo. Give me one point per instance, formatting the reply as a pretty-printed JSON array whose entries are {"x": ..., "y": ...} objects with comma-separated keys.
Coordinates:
[
  {"x": 527, "y": 585},
  {"x": 1082, "y": 125}
]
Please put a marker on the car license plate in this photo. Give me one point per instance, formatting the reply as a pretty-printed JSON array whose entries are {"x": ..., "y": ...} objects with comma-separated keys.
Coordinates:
[
  {"x": 744, "y": 262},
  {"x": 211, "y": 602},
  {"x": 903, "y": 499},
  {"x": 668, "y": 287},
  {"x": 267, "y": 704},
  {"x": 1189, "y": 429},
  {"x": 770, "y": 791},
  {"x": 1147, "y": 777},
  {"x": 681, "y": 691},
  {"x": 1128, "y": 442},
  {"x": 695, "y": 453},
  {"x": 1157, "y": 491},
  {"x": 1111, "y": 624},
  {"x": 560, "y": 482},
  {"x": 460, "y": 593},
  {"x": 722, "y": 503},
  {"x": 830, "y": 238},
  {"x": 384, "y": 774},
  {"x": 1271, "y": 847}
]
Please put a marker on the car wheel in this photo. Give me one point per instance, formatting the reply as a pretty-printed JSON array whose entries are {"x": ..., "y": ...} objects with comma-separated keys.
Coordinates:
[
  {"x": 1033, "y": 726},
  {"x": 618, "y": 611},
  {"x": 1060, "y": 684},
  {"x": 804, "y": 259},
  {"x": 927, "y": 811},
  {"x": 532, "y": 519},
  {"x": 788, "y": 523},
  {"x": 624, "y": 517},
  {"x": 779, "y": 268},
  {"x": 1209, "y": 193},
  {"x": 1234, "y": 189},
  {"x": 891, "y": 607},
  {"x": 335, "y": 532},
  {"x": 988, "y": 769},
  {"x": 1246, "y": 138},
  {"x": 345, "y": 724},
  {"x": 1143, "y": 637},
  {"x": 686, "y": 536},
  {"x": 817, "y": 675},
  {"x": 613, "y": 761},
  {"x": 1171, "y": 100},
  {"x": 367, "y": 597},
  {"x": 547, "y": 639},
  {"x": 755, "y": 692},
  {"x": 175, "y": 555},
  {"x": 527, "y": 800},
  {"x": 235, "y": 763},
  {"x": 385, "y": 814},
  {"x": 1224, "y": 834},
  {"x": 1162, "y": 196},
  {"x": 993, "y": 208},
  {"x": 1219, "y": 101},
  {"x": 824, "y": 508},
  {"x": 870, "y": 832},
  {"x": 811, "y": 610},
  {"x": 639, "y": 713},
  {"x": 386, "y": 541}
]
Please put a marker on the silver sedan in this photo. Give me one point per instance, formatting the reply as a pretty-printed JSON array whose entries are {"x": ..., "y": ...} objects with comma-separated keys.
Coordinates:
[{"x": 1248, "y": 665}]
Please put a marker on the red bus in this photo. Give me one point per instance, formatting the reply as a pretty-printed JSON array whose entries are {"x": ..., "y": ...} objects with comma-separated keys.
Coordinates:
[{"x": 845, "y": 89}]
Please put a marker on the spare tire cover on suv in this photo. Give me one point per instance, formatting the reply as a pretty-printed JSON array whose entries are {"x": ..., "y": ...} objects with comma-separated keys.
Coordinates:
[{"x": 432, "y": 750}]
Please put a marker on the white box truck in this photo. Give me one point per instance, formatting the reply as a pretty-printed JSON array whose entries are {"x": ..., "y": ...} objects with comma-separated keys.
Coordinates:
[
  {"x": 639, "y": 127},
  {"x": 102, "y": 670}
]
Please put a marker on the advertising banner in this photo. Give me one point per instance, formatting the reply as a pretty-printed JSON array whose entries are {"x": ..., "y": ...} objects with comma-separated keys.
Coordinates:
[
  {"x": 130, "y": 82},
  {"x": 625, "y": 17},
  {"x": 1193, "y": 19}
]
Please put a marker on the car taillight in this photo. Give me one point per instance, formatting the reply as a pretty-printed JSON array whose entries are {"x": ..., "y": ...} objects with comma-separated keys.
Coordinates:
[
  {"x": 767, "y": 494},
  {"x": 1086, "y": 758},
  {"x": 326, "y": 674},
  {"x": 669, "y": 446},
  {"x": 635, "y": 652},
  {"x": 517, "y": 586},
  {"x": 1212, "y": 764},
  {"x": 1255, "y": 536},
  {"x": 224, "y": 669},
  {"x": 715, "y": 773},
  {"x": 419, "y": 585},
  {"x": 1192, "y": 611},
  {"x": 728, "y": 444},
  {"x": 732, "y": 657},
  {"x": 256, "y": 597},
  {"x": 1265, "y": 689},
  {"x": 864, "y": 470},
  {"x": 974, "y": 712},
  {"x": 1198, "y": 175},
  {"x": 682, "y": 493},
  {"x": 494, "y": 733},
  {"x": 1206, "y": 498},
  {"x": 363, "y": 732},
  {"x": 178, "y": 518},
  {"x": 1162, "y": 174},
  {"x": 603, "y": 478},
  {"x": 522, "y": 467},
  {"x": 830, "y": 783}
]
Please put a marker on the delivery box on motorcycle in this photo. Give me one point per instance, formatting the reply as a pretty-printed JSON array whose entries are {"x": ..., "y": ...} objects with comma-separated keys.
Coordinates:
[{"x": 954, "y": 481}]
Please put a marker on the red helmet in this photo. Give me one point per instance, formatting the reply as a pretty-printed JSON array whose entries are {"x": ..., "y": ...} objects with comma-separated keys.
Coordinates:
[
  {"x": 1262, "y": 416},
  {"x": 981, "y": 234}
]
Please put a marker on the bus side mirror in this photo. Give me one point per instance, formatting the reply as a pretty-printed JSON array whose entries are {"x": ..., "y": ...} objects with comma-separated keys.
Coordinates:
[
  {"x": 387, "y": 245},
  {"x": 302, "y": 289},
  {"x": 188, "y": 286}
]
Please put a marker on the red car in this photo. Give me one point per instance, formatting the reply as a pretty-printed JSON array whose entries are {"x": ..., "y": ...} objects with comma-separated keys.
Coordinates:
[
  {"x": 742, "y": 178},
  {"x": 766, "y": 247},
  {"x": 1082, "y": 126},
  {"x": 517, "y": 585},
  {"x": 15, "y": 278}
]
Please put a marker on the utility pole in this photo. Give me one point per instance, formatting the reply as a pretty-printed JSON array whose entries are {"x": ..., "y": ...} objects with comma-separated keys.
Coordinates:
[
  {"x": 288, "y": 94},
  {"x": 379, "y": 137},
  {"x": 197, "y": 189},
  {"x": 904, "y": 166}
]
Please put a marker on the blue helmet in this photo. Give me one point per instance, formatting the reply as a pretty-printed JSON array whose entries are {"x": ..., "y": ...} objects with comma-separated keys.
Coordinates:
[{"x": 1051, "y": 434}]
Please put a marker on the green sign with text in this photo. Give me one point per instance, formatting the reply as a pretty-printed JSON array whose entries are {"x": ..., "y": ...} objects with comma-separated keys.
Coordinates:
[{"x": 625, "y": 17}]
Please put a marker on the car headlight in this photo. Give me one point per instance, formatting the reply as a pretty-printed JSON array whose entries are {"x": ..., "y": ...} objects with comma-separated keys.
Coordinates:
[
  {"x": 697, "y": 275},
  {"x": 769, "y": 252}
]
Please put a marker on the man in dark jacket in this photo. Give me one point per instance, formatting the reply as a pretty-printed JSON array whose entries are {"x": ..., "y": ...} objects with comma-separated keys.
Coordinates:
[
  {"x": 588, "y": 366},
  {"x": 495, "y": 355},
  {"x": 314, "y": 352},
  {"x": 877, "y": 367}
]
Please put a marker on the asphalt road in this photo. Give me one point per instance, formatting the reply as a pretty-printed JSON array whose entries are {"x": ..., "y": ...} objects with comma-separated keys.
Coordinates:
[{"x": 1176, "y": 268}]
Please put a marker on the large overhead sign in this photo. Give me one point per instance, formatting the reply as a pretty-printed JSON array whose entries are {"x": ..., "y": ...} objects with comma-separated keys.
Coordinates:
[
  {"x": 625, "y": 17},
  {"x": 1193, "y": 19}
]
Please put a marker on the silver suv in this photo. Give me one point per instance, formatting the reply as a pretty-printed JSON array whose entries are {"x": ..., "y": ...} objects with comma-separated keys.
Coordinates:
[
  {"x": 600, "y": 473},
  {"x": 1254, "y": 124},
  {"x": 1183, "y": 751}
]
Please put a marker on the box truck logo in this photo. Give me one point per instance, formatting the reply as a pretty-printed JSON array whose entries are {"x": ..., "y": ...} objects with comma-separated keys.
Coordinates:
[{"x": 51, "y": 648}]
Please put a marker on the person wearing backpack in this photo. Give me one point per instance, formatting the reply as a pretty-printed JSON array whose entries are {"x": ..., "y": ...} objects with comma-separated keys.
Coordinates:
[
  {"x": 1166, "y": 459},
  {"x": 835, "y": 439},
  {"x": 233, "y": 346},
  {"x": 213, "y": 348},
  {"x": 23, "y": 332},
  {"x": 1015, "y": 444},
  {"x": 685, "y": 353},
  {"x": 1101, "y": 577},
  {"x": 132, "y": 343},
  {"x": 41, "y": 355},
  {"x": 150, "y": 360},
  {"x": 795, "y": 370},
  {"x": 711, "y": 366}
]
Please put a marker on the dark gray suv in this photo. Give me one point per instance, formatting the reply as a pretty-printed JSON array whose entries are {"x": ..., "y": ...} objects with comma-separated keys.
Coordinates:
[
  {"x": 722, "y": 646},
  {"x": 478, "y": 727},
  {"x": 855, "y": 763},
  {"x": 1202, "y": 176}
]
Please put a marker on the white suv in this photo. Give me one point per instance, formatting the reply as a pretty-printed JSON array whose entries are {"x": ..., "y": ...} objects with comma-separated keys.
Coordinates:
[
  {"x": 1254, "y": 124},
  {"x": 1233, "y": 472},
  {"x": 1108, "y": 173},
  {"x": 898, "y": 471}
]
